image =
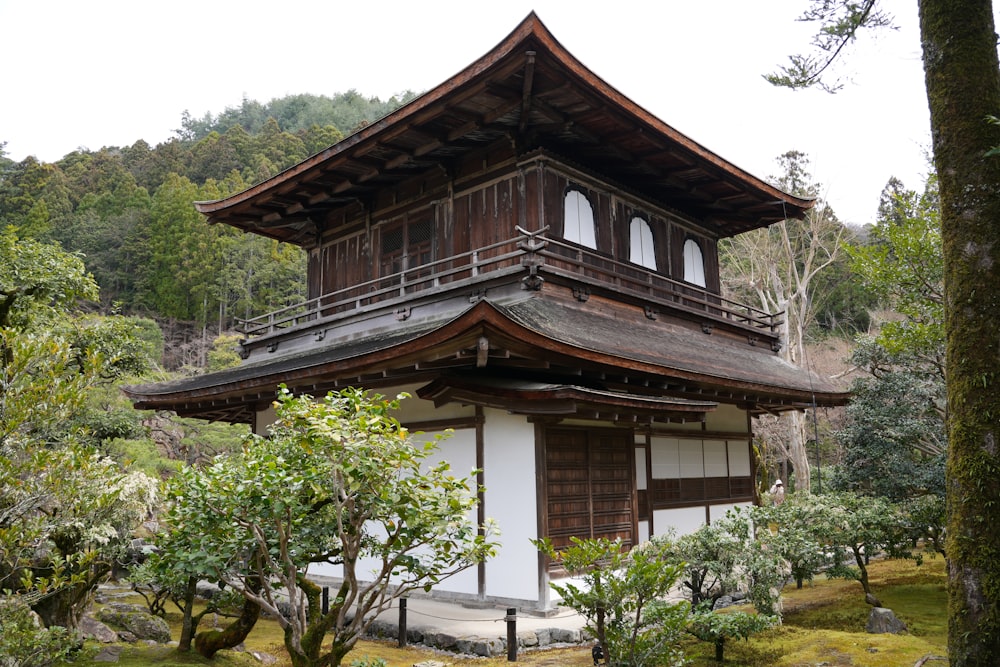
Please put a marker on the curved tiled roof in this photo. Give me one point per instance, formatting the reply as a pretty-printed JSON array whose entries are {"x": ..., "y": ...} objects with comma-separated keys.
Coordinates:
[
  {"x": 531, "y": 91},
  {"x": 671, "y": 360}
]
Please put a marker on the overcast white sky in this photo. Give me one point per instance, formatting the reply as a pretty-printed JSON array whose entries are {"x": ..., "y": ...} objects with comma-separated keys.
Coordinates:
[{"x": 102, "y": 73}]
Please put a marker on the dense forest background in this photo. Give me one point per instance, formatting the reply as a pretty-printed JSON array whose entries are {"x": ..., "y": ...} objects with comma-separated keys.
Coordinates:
[{"x": 128, "y": 211}]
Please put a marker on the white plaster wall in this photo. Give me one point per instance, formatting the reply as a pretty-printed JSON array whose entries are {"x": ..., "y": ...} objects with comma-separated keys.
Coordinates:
[
  {"x": 415, "y": 409},
  {"x": 264, "y": 419},
  {"x": 683, "y": 520},
  {"x": 511, "y": 501},
  {"x": 459, "y": 450},
  {"x": 716, "y": 512},
  {"x": 727, "y": 418}
]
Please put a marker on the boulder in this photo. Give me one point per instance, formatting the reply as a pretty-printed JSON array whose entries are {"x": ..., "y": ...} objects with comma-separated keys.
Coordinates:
[
  {"x": 91, "y": 628},
  {"x": 883, "y": 621},
  {"x": 442, "y": 640},
  {"x": 723, "y": 602},
  {"x": 135, "y": 620}
]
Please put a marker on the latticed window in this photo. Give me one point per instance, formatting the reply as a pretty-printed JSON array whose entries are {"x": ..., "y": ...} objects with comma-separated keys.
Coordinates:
[{"x": 406, "y": 248}]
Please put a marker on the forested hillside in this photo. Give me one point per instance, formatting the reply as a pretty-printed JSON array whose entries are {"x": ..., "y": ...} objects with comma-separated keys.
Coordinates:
[{"x": 128, "y": 211}]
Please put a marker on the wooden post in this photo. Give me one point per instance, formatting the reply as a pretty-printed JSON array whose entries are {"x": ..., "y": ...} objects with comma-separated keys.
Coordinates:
[
  {"x": 326, "y": 600},
  {"x": 511, "y": 634},
  {"x": 402, "y": 622}
]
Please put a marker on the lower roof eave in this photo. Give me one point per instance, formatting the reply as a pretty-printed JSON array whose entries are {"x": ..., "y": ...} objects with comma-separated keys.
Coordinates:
[{"x": 234, "y": 394}]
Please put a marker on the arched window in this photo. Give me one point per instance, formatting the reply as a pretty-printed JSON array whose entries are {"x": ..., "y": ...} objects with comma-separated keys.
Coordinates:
[
  {"x": 694, "y": 263},
  {"x": 578, "y": 221},
  {"x": 641, "y": 250}
]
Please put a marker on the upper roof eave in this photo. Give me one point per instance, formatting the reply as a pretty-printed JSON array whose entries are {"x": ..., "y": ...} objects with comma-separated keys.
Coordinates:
[{"x": 531, "y": 31}]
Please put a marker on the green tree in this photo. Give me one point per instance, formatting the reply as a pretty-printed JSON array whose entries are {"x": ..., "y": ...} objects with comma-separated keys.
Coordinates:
[
  {"x": 730, "y": 556},
  {"x": 181, "y": 260},
  {"x": 861, "y": 526},
  {"x": 69, "y": 516},
  {"x": 623, "y": 597},
  {"x": 33, "y": 195},
  {"x": 710, "y": 556},
  {"x": 24, "y": 644},
  {"x": 339, "y": 481},
  {"x": 794, "y": 530},
  {"x": 718, "y": 627},
  {"x": 779, "y": 267},
  {"x": 893, "y": 441},
  {"x": 902, "y": 266},
  {"x": 66, "y": 512},
  {"x": 962, "y": 78}
]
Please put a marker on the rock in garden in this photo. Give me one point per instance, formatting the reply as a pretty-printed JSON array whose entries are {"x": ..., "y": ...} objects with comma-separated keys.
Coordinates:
[
  {"x": 723, "y": 602},
  {"x": 882, "y": 621},
  {"x": 91, "y": 628},
  {"x": 140, "y": 623}
]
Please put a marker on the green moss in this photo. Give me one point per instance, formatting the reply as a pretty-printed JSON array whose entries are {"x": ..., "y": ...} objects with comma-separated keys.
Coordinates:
[{"x": 824, "y": 623}]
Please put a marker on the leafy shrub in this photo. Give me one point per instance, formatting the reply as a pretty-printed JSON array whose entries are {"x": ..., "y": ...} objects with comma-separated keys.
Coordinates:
[
  {"x": 717, "y": 627},
  {"x": 24, "y": 642},
  {"x": 624, "y": 599}
]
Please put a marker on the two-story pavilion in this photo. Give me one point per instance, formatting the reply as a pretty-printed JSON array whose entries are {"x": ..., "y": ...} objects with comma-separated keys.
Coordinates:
[{"x": 533, "y": 257}]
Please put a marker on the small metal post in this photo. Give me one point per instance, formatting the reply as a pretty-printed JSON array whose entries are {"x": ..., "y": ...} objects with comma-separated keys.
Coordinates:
[
  {"x": 511, "y": 619},
  {"x": 402, "y": 622},
  {"x": 326, "y": 600}
]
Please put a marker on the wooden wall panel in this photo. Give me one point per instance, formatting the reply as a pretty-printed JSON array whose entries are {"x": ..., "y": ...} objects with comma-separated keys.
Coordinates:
[
  {"x": 314, "y": 274},
  {"x": 589, "y": 486},
  {"x": 530, "y": 216},
  {"x": 677, "y": 236}
]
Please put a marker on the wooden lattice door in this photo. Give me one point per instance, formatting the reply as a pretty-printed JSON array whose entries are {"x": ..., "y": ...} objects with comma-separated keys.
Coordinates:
[{"x": 589, "y": 485}]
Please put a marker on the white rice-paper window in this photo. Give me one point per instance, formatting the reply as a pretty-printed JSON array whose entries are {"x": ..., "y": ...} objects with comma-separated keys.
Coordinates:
[
  {"x": 739, "y": 458},
  {"x": 664, "y": 458},
  {"x": 715, "y": 458},
  {"x": 578, "y": 220},
  {"x": 640, "y": 468},
  {"x": 641, "y": 250},
  {"x": 692, "y": 459},
  {"x": 694, "y": 263}
]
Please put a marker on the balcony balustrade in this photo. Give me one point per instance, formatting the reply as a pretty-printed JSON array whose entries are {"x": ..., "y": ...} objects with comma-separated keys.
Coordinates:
[{"x": 533, "y": 254}]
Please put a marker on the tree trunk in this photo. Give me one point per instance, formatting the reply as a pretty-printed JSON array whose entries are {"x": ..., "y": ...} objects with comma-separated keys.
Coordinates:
[
  {"x": 963, "y": 87},
  {"x": 188, "y": 624},
  {"x": 209, "y": 643},
  {"x": 66, "y": 606},
  {"x": 798, "y": 452}
]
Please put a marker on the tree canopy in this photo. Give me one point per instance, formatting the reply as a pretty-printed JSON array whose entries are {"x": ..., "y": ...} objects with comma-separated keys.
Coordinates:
[{"x": 338, "y": 481}]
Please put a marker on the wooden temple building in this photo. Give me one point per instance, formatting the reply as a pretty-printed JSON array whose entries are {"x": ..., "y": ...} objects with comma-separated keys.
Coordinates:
[{"x": 533, "y": 257}]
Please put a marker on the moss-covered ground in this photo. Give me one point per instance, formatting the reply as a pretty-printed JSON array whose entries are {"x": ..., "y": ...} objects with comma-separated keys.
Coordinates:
[{"x": 824, "y": 624}]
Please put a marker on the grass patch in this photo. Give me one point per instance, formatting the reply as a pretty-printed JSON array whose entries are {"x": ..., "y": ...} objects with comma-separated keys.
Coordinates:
[{"x": 824, "y": 623}]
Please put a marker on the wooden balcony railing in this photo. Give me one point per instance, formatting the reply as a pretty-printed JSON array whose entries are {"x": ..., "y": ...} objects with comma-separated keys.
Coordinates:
[{"x": 530, "y": 253}]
